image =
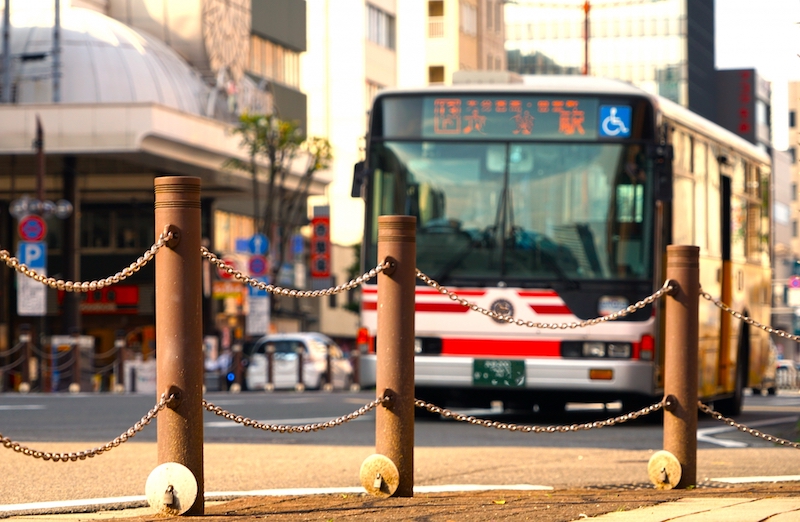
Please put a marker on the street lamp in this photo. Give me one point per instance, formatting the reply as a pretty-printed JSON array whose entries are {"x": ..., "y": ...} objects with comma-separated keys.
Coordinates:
[{"x": 26, "y": 206}]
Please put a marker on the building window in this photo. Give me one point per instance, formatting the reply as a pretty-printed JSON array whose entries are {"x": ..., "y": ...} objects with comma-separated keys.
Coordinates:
[
  {"x": 794, "y": 228},
  {"x": 372, "y": 91},
  {"x": 498, "y": 16},
  {"x": 436, "y": 19},
  {"x": 792, "y": 119},
  {"x": 436, "y": 74},
  {"x": 794, "y": 191},
  {"x": 489, "y": 11},
  {"x": 489, "y": 61},
  {"x": 274, "y": 62},
  {"x": 107, "y": 228},
  {"x": 380, "y": 27},
  {"x": 469, "y": 19}
]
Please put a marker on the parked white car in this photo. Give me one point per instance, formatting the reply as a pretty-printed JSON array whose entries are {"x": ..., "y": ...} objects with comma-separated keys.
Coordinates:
[{"x": 315, "y": 348}]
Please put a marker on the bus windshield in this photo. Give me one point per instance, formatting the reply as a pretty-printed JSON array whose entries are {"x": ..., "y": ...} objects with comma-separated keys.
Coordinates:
[{"x": 522, "y": 212}]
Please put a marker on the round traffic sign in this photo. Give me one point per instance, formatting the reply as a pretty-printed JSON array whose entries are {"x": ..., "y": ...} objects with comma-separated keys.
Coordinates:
[
  {"x": 32, "y": 228},
  {"x": 257, "y": 265}
]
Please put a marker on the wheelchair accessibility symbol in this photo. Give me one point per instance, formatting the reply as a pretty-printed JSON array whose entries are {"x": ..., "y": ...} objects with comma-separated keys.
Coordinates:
[{"x": 615, "y": 121}]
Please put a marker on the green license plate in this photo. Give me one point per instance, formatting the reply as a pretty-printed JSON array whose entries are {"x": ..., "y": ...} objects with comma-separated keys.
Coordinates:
[{"x": 498, "y": 372}]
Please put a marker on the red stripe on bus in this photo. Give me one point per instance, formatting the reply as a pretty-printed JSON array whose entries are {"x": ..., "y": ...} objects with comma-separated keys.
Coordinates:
[
  {"x": 551, "y": 309},
  {"x": 424, "y": 307},
  {"x": 431, "y": 291},
  {"x": 489, "y": 348}
]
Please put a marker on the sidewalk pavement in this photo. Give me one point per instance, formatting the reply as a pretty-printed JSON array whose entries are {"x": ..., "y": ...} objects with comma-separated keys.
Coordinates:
[
  {"x": 593, "y": 482},
  {"x": 714, "y": 507}
]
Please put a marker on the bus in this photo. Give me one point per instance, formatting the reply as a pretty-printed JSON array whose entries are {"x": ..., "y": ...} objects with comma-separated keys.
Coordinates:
[{"x": 553, "y": 202}]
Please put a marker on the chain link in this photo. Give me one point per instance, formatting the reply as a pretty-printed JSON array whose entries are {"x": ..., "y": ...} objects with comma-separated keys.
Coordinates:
[
  {"x": 743, "y": 428},
  {"x": 77, "y": 286},
  {"x": 665, "y": 289},
  {"x": 306, "y": 428},
  {"x": 748, "y": 320},
  {"x": 524, "y": 428},
  {"x": 277, "y": 290},
  {"x": 83, "y": 455}
]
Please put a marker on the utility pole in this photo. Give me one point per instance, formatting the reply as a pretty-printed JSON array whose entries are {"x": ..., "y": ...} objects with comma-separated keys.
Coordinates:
[
  {"x": 586, "y": 9},
  {"x": 7, "y": 53},
  {"x": 57, "y": 54}
]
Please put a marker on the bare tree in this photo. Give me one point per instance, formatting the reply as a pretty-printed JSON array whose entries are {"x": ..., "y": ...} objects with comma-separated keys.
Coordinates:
[{"x": 282, "y": 145}]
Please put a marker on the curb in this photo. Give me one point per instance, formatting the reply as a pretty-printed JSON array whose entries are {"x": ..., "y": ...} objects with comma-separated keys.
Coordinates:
[{"x": 140, "y": 501}]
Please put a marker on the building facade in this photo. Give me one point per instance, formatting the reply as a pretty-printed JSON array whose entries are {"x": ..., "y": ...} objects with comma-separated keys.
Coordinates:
[
  {"x": 358, "y": 47},
  {"x": 665, "y": 47},
  {"x": 125, "y": 91}
]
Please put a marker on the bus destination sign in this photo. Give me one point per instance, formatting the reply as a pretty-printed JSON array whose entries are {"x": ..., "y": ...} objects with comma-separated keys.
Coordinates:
[{"x": 510, "y": 117}]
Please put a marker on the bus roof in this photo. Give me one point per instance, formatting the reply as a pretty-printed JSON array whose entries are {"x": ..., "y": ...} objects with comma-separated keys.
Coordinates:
[{"x": 576, "y": 84}]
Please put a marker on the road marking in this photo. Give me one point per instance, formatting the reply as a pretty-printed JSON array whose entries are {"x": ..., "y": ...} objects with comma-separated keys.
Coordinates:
[
  {"x": 22, "y": 407},
  {"x": 310, "y": 420},
  {"x": 746, "y": 480},
  {"x": 705, "y": 434}
]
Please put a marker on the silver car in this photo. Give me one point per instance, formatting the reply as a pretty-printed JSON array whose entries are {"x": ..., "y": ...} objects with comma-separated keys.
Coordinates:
[{"x": 315, "y": 349}]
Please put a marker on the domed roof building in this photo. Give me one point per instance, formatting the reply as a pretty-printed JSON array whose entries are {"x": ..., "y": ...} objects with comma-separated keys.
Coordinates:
[
  {"x": 92, "y": 110},
  {"x": 102, "y": 61}
]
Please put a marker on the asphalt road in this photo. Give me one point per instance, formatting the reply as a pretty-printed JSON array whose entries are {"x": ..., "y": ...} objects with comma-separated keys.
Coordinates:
[
  {"x": 102, "y": 417},
  {"x": 446, "y": 452}
]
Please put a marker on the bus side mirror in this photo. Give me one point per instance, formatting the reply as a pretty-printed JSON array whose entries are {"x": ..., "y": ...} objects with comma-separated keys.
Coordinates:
[
  {"x": 662, "y": 171},
  {"x": 360, "y": 175}
]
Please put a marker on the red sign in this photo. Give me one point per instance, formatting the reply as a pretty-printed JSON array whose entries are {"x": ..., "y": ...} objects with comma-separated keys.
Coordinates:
[
  {"x": 231, "y": 263},
  {"x": 32, "y": 228},
  {"x": 116, "y": 299},
  {"x": 320, "y": 247}
]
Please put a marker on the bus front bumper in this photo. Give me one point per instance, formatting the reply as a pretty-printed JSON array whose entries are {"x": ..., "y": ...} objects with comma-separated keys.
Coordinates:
[{"x": 622, "y": 376}]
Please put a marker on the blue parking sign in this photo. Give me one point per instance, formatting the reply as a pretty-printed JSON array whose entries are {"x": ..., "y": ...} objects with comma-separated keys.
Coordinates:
[{"x": 32, "y": 254}]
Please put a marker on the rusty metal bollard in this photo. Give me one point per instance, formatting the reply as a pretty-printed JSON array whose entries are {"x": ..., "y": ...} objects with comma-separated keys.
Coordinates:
[
  {"x": 119, "y": 363},
  {"x": 394, "y": 423},
  {"x": 75, "y": 385},
  {"x": 270, "y": 353},
  {"x": 681, "y": 364},
  {"x": 25, "y": 370},
  {"x": 179, "y": 327},
  {"x": 301, "y": 385}
]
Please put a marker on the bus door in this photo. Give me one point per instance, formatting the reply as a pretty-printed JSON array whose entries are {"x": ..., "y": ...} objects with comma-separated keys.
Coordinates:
[{"x": 724, "y": 375}]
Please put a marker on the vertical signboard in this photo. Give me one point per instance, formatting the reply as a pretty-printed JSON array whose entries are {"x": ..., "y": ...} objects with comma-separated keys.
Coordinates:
[
  {"x": 31, "y": 295},
  {"x": 321, "y": 248}
]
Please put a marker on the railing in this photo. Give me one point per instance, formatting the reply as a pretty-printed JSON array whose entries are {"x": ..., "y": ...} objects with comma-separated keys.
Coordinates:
[
  {"x": 390, "y": 471},
  {"x": 435, "y": 27}
]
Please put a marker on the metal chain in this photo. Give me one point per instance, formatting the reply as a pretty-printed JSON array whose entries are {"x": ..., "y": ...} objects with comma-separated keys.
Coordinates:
[
  {"x": 743, "y": 428},
  {"x": 748, "y": 320},
  {"x": 524, "y": 428},
  {"x": 11, "y": 351},
  {"x": 77, "y": 286},
  {"x": 277, "y": 290},
  {"x": 307, "y": 428},
  {"x": 665, "y": 289},
  {"x": 162, "y": 403}
]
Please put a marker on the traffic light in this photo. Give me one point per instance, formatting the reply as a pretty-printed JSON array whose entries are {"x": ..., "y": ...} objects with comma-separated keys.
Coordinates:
[{"x": 320, "y": 247}]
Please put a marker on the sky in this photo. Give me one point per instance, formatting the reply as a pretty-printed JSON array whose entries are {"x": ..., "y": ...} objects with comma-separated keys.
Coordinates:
[{"x": 765, "y": 35}]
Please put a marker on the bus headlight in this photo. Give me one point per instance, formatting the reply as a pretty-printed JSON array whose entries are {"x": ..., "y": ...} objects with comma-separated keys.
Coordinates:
[
  {"x": 594, "y": 349},
  {"x": 619, "y": 350}
]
